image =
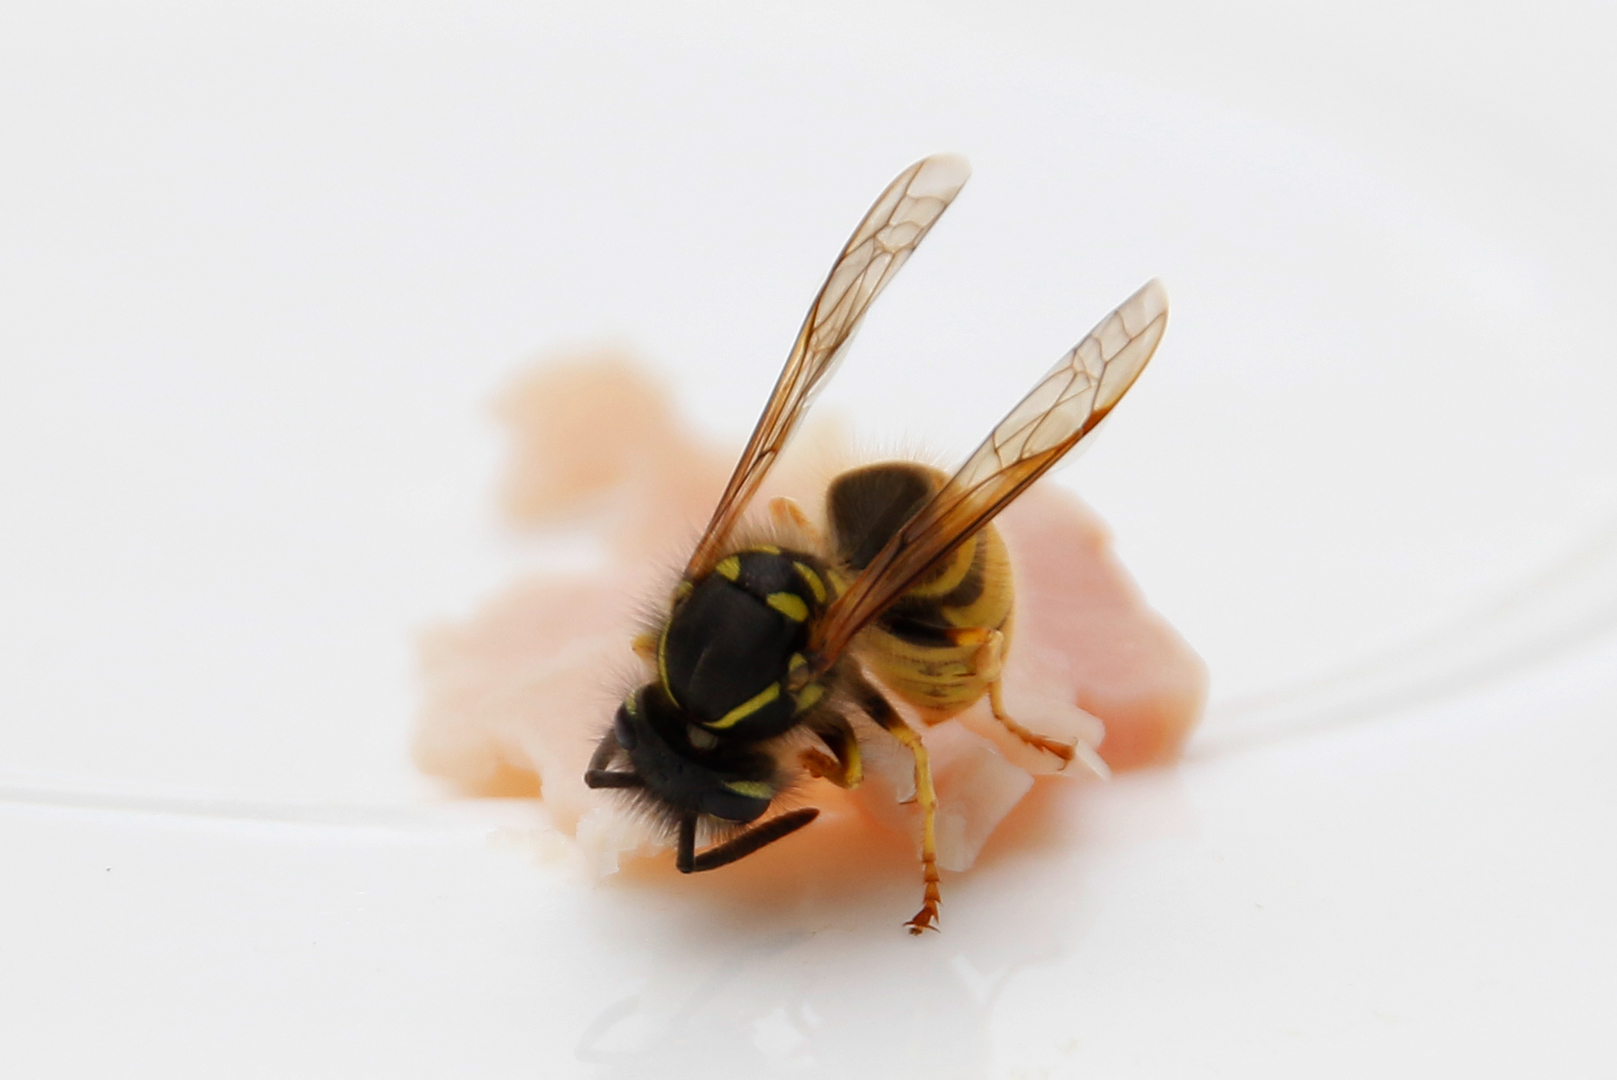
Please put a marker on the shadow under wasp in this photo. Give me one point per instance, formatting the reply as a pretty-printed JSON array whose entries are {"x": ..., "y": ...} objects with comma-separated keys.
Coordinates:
[{"x": 767, "y": 648}]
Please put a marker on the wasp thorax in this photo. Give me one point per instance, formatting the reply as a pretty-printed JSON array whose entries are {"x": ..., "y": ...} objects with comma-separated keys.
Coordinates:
[{"x": 728, "y": 651}]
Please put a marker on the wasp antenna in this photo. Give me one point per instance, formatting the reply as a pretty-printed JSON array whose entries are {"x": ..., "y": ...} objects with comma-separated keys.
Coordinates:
[
  {"x": 753, "y": 839},
  {"x": 685, "y": 854}
]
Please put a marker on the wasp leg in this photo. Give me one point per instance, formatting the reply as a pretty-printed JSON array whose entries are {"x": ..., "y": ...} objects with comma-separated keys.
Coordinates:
[
  {"x": 599, "y": 776},
  {"x": 645, "y": 647},
  {"x": 788, "y": 514},
  {"x": 842, "y": 766},
  {"x": 882, "y": 712},
  {"x": 989, "y": 662},
  {"x": 690, "y": 861},
  {"x": 1062, "y": 750}
]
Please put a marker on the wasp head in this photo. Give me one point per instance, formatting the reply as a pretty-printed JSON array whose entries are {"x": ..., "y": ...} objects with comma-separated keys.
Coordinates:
[{"x": 680, "y": 765}]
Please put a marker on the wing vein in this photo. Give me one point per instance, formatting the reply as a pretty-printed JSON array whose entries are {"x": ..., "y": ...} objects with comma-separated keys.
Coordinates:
[
  {"x": 890, "y": 231},
  {"x": 1055, "y": 416}
]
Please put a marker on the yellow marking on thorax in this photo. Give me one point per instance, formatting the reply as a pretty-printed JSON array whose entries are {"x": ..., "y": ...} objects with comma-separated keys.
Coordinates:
[
  {"x": 748, "y": 707},
  {"x": 767, "y": 549},
  {"x": 809, "y": 696},
  {"x": 788, "y": 604},
  {"x": 729, "y": 567},
  {"x": 662, "y": 663},
  {"x": 812, "y": 580},
  {"x": 681, "y": 591},
  {"x": 755, "y": 789}
]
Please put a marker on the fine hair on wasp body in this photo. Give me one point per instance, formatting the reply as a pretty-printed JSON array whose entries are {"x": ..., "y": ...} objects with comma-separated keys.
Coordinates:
[{"x": 769, "y": 645}]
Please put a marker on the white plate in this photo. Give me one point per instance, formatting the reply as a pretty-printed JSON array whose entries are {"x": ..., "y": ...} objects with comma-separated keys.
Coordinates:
[{"x": 264, "y": 270}]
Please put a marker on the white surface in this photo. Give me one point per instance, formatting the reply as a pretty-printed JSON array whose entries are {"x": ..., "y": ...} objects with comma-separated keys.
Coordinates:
[{"x": 261, "y": 272}]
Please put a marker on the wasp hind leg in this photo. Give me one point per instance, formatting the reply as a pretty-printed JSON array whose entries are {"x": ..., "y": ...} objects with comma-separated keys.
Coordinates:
[
  {"x": 882, "y": 712},
  {"x": 990, "y": 663},
  {"x": 691, "y": 861}
]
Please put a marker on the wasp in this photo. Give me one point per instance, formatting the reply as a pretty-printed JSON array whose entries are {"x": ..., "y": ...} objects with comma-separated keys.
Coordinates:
[{"x": 767, "y": 649}]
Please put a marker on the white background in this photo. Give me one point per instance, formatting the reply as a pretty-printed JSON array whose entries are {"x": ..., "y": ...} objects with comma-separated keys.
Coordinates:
[{"x": 262, "y": 271}]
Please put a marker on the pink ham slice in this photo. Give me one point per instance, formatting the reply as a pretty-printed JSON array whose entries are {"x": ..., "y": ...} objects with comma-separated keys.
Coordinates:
[{"x": 516, "y": 696}]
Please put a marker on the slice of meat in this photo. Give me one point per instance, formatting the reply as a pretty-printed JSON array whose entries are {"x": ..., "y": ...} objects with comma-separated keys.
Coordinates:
[{"x": 517, "y": 695}]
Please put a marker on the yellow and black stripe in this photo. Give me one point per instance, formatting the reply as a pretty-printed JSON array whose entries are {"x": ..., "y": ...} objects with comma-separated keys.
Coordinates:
[
  {"x": 733, "y": 641},
  {"x": 925, "y": 646}
]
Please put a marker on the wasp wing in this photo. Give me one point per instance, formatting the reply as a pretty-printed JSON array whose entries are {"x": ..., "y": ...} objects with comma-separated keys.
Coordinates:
[
  {"x": 890, "y": 231},
  {"x": 1064, "y": 407}
]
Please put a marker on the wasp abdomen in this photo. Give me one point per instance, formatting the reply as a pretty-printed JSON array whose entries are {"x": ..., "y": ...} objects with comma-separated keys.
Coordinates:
[
  {"x": 924, "y": 647},
  {"x": 730, "y": 645}
]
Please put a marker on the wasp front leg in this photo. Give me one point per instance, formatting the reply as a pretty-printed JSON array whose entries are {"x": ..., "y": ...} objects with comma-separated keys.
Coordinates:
[
  {"x": 843, "y": 765},
  {"x": 787, "y": 514},
  {"x": 882, "y": 712}
]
